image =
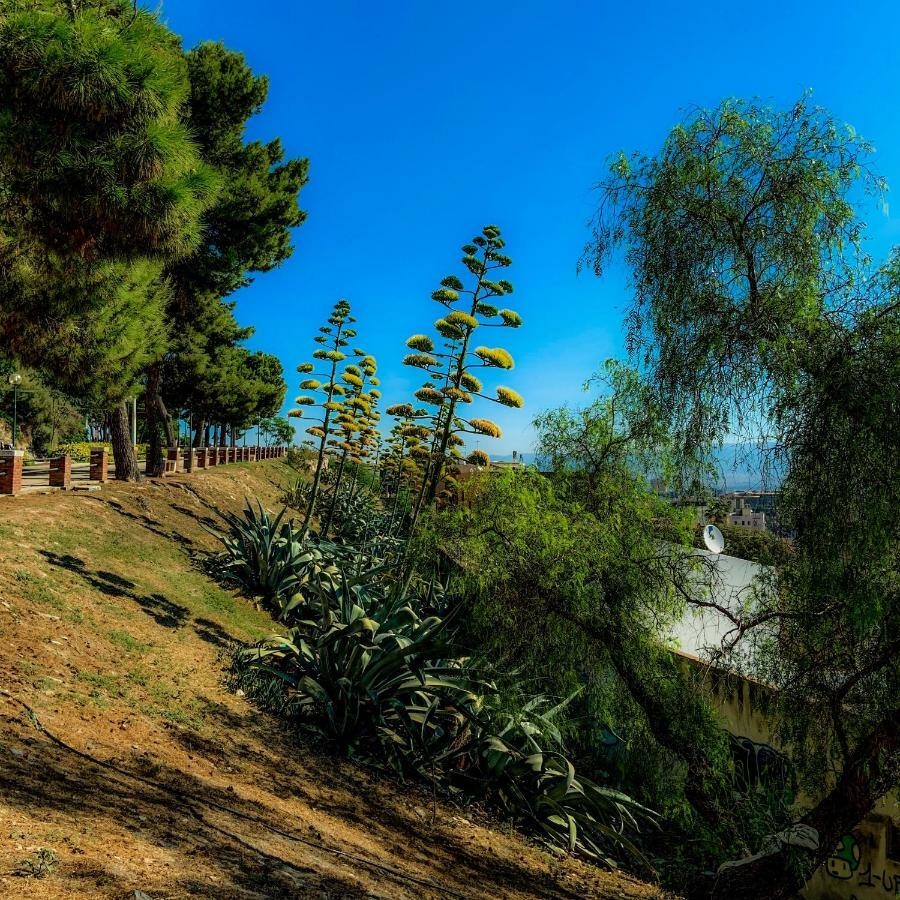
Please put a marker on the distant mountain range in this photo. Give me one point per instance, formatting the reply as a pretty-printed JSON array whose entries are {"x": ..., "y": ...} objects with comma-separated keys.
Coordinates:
[{"x": 740, "y": 468}]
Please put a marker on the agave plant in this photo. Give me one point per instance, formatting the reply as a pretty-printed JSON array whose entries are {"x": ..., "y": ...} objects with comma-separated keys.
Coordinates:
[
  {"x": 297, "y": 495},
  {"x": 543, "y": 790},
  {"x": 261, "y": 553},
  {"x": 367, "y": 683}
]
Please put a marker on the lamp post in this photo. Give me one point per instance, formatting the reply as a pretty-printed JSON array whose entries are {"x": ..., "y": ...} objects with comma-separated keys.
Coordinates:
[{"x": 15, "y": 379}]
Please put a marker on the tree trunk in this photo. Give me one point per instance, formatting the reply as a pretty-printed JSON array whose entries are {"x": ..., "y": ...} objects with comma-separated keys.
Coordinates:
[
  {"x": 866, "y": 777},
  {"x": 198, "y": 434},
  {"x": 123, "y": 450},
  {"x": 157, "y": 421}
]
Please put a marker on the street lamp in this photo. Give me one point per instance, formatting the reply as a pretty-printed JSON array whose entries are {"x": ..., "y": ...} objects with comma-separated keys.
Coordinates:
[{"x": 15, "y": 379}]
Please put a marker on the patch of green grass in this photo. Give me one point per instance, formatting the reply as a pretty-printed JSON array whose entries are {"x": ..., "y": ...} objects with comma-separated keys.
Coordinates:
[
  {"x": 139, "y": 677},
  {"x": 104, "y": 686},
  {"x": 39, "y": 592},
  {"x": 128, "y": 643},
  {"x": 191, "y": 714}
]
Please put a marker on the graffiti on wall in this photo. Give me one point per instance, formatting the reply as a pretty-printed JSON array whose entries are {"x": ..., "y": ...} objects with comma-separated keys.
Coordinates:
[
  {"x": 846, "y": 863},
  {"x": 760, "y": 764}
]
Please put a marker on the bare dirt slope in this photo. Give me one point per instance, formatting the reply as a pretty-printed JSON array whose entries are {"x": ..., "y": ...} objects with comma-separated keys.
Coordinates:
[{"x": 171, "y": 785}]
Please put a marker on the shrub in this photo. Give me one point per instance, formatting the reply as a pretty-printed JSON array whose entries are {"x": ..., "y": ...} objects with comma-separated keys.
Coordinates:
[
  {"x": 364, "y": 669},
  {"x": 81, "y": 450}
]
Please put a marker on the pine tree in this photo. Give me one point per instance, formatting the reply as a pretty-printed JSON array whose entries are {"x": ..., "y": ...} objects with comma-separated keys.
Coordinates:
[
  {"x": 246, "y": 230},
  {"x": 99, "y": 177}
]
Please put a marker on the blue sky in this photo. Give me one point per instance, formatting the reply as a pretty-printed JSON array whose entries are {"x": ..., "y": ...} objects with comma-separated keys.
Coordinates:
[{"x": 424, "y": 121}]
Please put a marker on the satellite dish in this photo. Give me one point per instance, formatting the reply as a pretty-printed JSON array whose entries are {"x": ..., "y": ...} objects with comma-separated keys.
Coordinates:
[{"x": 713, "y": 539}]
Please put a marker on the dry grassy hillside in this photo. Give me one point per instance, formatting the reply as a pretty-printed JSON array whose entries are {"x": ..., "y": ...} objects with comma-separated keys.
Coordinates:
[{"x": 170, "y": 785}]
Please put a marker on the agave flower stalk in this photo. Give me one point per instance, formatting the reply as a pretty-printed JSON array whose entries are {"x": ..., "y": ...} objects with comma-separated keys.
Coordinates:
[
  {"x": 354, "y": 417},
  {"x": 335, "y": 336},
  {"x": 453, "y": 381}
]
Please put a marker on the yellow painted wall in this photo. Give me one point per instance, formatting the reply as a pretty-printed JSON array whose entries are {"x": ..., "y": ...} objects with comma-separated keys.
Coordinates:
[{"x": 860, "y": 869}]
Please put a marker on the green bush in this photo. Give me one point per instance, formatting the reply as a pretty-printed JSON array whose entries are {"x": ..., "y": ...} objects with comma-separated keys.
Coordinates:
[{"x": 81, "y": 450}]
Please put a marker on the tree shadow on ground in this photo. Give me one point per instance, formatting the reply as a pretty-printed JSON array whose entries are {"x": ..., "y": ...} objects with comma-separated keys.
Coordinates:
[
  {"x": 163, "y": 611},
  {"x": 233, "y": 857},
  {"x": 213, "y": 633},
  {"x": 239, "y": 847}
]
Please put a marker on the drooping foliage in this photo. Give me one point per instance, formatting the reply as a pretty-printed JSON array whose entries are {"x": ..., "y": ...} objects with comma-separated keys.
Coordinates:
[{"x": 755, "y": 313}]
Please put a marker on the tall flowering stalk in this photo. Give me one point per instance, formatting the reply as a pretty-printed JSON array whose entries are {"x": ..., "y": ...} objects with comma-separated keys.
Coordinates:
[
  {"x": 334, "y": 337},
  {"x": 452, "y": 380},
  {"x": 354, "y": 420}
]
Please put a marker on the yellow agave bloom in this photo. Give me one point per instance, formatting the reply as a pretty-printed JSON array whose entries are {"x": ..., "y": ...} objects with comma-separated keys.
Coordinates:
[
  {"x": 508, "y": 397},
  {"x": 420, "y": 342},
  {"x": 454, "y": 394},
  {"x": 485, "y": 426},
  {"x": 495, "y": 356},
  {"x": 461, "y": 318},
  {"x": 510, "y": 318},
  {"x": 430, "y": 395},
  {"x": 419, "y": 360},
  {"x": 471, "y": 383}
]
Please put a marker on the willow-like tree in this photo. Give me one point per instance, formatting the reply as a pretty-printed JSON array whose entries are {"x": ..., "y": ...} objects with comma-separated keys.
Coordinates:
[
  {"x": 334, "y": 336},
  {"x": 750, "y": 318},
  {"x": 451, "y": 370}
]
